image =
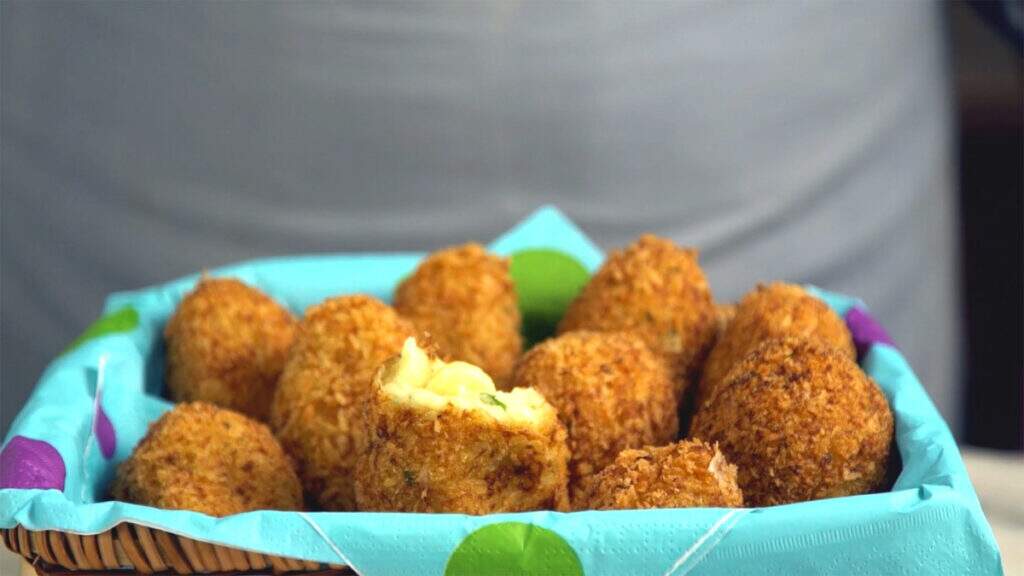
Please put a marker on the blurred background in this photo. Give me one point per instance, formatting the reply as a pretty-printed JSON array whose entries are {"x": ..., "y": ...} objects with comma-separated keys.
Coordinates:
[{"x": 871, "y": 148}]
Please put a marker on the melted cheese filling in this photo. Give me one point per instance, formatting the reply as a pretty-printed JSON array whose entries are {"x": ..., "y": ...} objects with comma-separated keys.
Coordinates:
[{"x": 416, "y": 378}]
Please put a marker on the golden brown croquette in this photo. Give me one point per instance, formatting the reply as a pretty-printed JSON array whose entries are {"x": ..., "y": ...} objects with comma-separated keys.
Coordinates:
[
  {"x": 318, "y": 410},
  {"x": 444, "y": 439},
  {"x": 226, "y": 344},
  {"x": 611, "y": 393},
  {"x": 211, "y": 460},
  {"x": 773, "y": 311},
  {"x": 686, "y": 474},
  {"x": 656, "y": 289},
  {"x": 801, "y": 421},
  {"x": 465, "y": 299}
]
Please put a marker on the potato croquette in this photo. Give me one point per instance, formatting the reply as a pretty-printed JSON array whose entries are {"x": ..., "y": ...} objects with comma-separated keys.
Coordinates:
[
  {"x": 611, "y": 393},
  {"x": 445, "y": 440},
  {"x": 465, "y": 299},
  {"x": 801, "y": 421},
  {"x": 226, "y": 344},
  {"x": 687, "y": 474},
  {"x": 211, "y": 460},
  {"x": 318, "y": 410},
  {"x": 773, "y": 311},
  {"x": 657, "y": 290}
]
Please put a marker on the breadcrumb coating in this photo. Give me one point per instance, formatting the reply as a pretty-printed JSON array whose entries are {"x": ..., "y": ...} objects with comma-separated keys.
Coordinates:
[
  {"x": 211, "y": 460},
  {"x": 801, "y": 421},
  {"x": 226, "y": 344},
  {"x": 465, "y": 299},
  {"x": 657, "y": 290},
  {"x": 318, "y": 410},
  {"x": 611, "y": 393},
  {"x": 772, "y": 311},
  {"x": 453, "y": 457},
  {"x": 686, "y": 474}
]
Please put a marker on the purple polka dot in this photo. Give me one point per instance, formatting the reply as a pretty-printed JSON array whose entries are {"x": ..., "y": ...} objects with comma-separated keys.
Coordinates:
[
  {"x": 104, "y": 431},
  {"x": 28, "y": 463},
  {"x": 866, "y": 330}
]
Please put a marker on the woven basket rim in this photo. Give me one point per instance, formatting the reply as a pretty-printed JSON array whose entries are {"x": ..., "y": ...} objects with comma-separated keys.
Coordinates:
[{"x": 130, "y": 548}]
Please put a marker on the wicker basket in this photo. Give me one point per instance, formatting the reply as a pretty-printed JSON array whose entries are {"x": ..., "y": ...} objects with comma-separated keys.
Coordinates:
[{"x": 133, "y": 549}]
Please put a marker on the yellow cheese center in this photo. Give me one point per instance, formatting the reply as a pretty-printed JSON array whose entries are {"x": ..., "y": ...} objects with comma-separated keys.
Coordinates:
[{"x": 431, "y": 383}]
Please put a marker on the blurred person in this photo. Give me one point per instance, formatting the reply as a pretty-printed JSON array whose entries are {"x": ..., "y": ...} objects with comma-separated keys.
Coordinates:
[{"x": 803, "y": 141}]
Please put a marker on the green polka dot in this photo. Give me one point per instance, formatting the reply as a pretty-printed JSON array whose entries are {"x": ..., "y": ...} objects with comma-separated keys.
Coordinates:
[
  {"x": 513, "y": 548},
  {"x": 546, "y": 282},
  {"x": 123, "y": 320}
]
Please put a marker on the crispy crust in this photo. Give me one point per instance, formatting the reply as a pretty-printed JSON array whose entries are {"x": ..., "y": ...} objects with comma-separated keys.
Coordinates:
[
  {"x": 465, "y": 299},
  {"x": 773, "y": 311},
  {"x": 207, "y": 459},
  {"x": 801, "y": 421},
  {"x": 226, "y": 344},
  {"x": 611, "y": 393},
  {"x": 657, "y": 290},
  {"x": 459, "y": 461},
  {"x": 317, "y": 412},
  {"x": 687, "y": 474}
]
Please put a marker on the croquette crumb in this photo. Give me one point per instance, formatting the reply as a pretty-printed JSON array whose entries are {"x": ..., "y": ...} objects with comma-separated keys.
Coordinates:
[
  {"x": 689, "y": 473},
  {"x": 801, "y": 421},
  {"x": 772, "y": 311},
  {"x": 657, "y": 290},
  {"x": 611, "y": 393},
  {"x": 465, "y": 298},
  {"x": 226, "y": 344},
  {"x": 318, "y": 410},
  {"x": 207, "y": 459}
]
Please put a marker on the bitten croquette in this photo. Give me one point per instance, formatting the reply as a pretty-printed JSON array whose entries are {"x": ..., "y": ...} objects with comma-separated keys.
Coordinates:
[
  {"x": 773, "y": 311},
  {"x": 465, "y": 299},
  {"x": 687, "y": 474},
  {"x": 801, "y": 421},
  {"x": 656, "y": 289},
  {"x": 611, "y": 393},
  {"x": 444, "y": 439},
  {"x": 318, "y": 410},
  {"x": 207, "y": 459},
  {"x": 226, "y": 344}
]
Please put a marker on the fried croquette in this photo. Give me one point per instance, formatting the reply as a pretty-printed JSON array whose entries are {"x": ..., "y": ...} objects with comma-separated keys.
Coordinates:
[
  {"x": 767, "y": 312},
  {"x": 443, "y": 439},
  {"x": 611, "y": 393},
  {"x": 801, "y": 421},
  {"x": 211, "y": 460},
  {"x": 465, "y": 299},
  {"x": 226, "y": 344},
  {"x": 318, "y": 410},
  {"x": 687, "y": 474},
  {"x": 657, "y": 290}
]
